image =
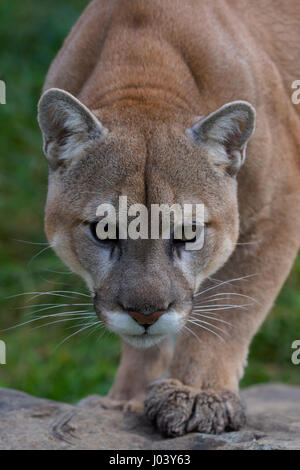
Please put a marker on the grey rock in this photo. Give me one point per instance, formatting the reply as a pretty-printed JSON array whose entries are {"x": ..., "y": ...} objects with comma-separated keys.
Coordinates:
[{"x": 28, "y": 422}]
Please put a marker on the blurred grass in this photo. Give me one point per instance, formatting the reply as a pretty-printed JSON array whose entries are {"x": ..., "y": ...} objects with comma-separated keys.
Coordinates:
[{"x": 30, "y": 35}]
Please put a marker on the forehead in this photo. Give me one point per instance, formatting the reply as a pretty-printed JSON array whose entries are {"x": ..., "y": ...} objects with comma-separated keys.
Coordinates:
[{"x": 162, "y": 168}]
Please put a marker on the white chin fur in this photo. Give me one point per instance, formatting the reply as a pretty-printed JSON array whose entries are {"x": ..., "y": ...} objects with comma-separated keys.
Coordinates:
[
  {"x": 123, "y": 325},
  {"x": 143, "y": 341}
]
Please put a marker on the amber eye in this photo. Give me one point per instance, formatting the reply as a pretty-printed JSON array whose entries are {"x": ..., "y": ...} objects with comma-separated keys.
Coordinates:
[{"x": 104, "y": 234}]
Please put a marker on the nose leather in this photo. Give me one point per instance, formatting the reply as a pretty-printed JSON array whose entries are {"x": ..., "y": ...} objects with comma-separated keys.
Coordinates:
[{"x": 146, "y": 319}]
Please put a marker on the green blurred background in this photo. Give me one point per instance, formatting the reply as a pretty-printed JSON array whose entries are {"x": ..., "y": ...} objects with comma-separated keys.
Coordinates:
[{"x": 30, "y": 35}]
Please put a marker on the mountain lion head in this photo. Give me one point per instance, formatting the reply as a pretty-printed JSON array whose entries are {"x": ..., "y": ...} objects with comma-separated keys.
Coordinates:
[{"x": 142, "y": 288}]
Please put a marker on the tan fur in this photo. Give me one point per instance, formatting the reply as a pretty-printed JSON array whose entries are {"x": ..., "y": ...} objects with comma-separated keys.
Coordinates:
[{"x": 148, "y": 70}]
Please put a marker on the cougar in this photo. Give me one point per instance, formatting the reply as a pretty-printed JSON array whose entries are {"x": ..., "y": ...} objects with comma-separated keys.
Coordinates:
[{"x": 160, "y": 101}]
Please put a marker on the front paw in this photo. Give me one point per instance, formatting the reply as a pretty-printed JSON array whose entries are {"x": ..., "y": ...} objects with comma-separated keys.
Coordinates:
[{"x": 177, "y": 409}]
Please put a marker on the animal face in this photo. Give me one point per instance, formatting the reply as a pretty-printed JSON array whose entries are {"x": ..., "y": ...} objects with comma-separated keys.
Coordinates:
[{"x": 142, "y": 288}]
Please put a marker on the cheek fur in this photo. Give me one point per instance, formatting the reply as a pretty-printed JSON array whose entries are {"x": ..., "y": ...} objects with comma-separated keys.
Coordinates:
[
  {"x": 218, "y": 259},
  {"x": 61, "y": 246}
]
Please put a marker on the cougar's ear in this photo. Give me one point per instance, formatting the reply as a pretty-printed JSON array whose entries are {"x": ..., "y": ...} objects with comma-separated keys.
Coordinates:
[
  {"x": 67, "y": 126},
  {"x": 225, "y": 134}
]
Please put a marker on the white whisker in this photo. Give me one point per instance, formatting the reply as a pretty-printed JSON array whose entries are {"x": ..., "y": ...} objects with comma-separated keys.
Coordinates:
[
  {"x": 56, "y": 293},
  {"x": 200, "y": 322},
  {"x": 57, "y": 306},
  {"x": 94, "y": 322},
  {"x": 30, "y": 243},
  {"x": 211, "y": 318},
  {"x": 37, "y": 254},
  {"x": 193, "y": 333},
  {"x": 101, "y": 334},
  {"x": 46, "y": 316},
  {"x": 73, "y": 334},
  {"x": 58, "y": 272},
  {"x": 62, "y": 320},
  {"x": 37, "y": 294},
  {"x": 217, "y": 309},
  {"x": 69, "y": 292},
  {"x": 223, "y": 283},
  {"x": 51, "y": 305},
  {"x": 212, "y": 300},
  {"x": 238, "y": 295},
  {"x": 218, "y": 306},
  {"x": 211, "y": 331}
]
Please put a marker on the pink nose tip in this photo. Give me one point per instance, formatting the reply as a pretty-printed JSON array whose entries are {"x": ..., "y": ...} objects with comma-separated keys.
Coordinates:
[{"x": 146, "y": 319}]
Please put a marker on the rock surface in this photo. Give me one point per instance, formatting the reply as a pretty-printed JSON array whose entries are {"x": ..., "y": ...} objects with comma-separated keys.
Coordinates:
[{"x": 34, "y": 423}]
